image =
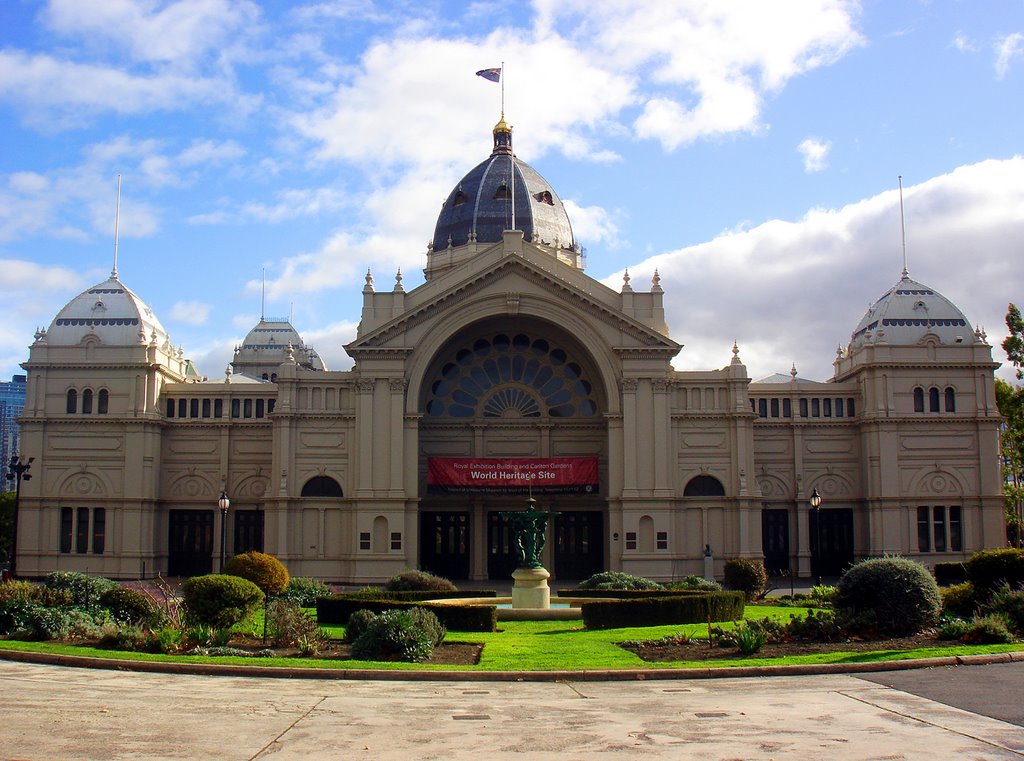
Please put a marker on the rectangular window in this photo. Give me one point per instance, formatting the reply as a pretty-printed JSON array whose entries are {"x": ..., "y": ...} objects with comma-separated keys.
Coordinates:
[
  {"x": 828, "y": 407},
  {"x": 193, "y": 408},
  {"x": 99, "y": 530},
  {"x": 939, "y": 519},
  {"x": 206, "y": 408},
  {"x": 218, "y": 408},
  {"x": 815, "y": 408},
  {"x": 662, "y": 540},
  {"x": 270, "y": 405},
  {"x": 259, "y": 407},
  {"x": 775, "y": 407},
  {"x": 762, "y": 408},
  {"x": 364, "y": 540},
  {"x": 67, "y": 519},
  {"x": 183, "y": 408},
  {"x": 396, "y": 540},
  {"x": 236, "y": 408},
  {"x": 924, "y": 530},
  {"x": 956, "y": 533},
  {"x": 170, "y": 408},
  {"x": 247, "y": 408},
  {"x": 787, "y": 408},
  {"x": 850, "y": 409},
  {"x": 839, "y": 407},
  {"x": 630, "y": 540},
  {"x": 82, "y": 531},
  {"x": 803, "y": 408}
]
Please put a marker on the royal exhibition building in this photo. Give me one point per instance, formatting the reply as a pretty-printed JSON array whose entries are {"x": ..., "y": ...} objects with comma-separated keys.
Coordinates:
[{"x": 508, "y": 374}]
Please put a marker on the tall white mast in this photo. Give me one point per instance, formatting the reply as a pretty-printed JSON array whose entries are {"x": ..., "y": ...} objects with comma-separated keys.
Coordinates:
[{"x": 117, "y": 225}]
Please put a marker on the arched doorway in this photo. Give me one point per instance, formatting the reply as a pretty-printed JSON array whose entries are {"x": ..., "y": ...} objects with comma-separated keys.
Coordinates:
[{"x": 519, "y": 403}]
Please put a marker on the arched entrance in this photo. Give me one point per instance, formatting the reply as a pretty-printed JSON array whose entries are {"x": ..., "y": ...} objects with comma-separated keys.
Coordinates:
[{"x": 511, "y": 408}]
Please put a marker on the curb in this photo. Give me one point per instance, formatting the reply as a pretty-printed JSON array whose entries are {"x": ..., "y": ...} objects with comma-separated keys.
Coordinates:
[{"x": 624, "y": 675}]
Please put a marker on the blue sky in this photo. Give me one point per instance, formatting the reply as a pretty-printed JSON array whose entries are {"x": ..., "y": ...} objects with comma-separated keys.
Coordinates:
[{"x": 748, "y": 149}]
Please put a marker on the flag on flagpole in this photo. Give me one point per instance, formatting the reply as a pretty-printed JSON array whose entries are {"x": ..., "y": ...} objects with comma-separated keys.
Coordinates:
[{"x": 491, "y": 75}]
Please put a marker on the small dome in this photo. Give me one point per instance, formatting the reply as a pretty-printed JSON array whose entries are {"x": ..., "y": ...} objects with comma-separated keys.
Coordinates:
[
  {"x": 908, "y": 312},
  {"x": 109, "y": 311},
  {"x": 266, "y": 347},
  {"x": 480, "y": 205}
]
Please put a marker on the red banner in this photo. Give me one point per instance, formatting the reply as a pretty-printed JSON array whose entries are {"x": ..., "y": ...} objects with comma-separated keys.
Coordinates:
[{"x": 512, "y": 475}]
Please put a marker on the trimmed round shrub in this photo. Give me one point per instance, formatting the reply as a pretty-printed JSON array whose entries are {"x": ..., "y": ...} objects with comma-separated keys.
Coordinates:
[
  {"x": 430, "y": 624},
  {"x": 393, "y": 635},
  {"x": 890, "y": 596},
  {"x": 265, "y": 571},
  {"x": 130, "y": 606},
  {"x": 990, "y": 569},
  {"x": 958, "y": 600},
  {"x": 220, "y": 600},
  {"x": 305, "y": 592},
  {"x": 358, "y": 622},
  {"x": 618, "y": 581},
  {"x": 419, "y": 581},
  {"x": 987, "y": 630},
  {"x": 85, "y": 590},
  {"x": 746, "y": 575}
]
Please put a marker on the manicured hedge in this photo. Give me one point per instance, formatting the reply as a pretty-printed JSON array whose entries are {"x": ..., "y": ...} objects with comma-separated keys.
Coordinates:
[
  {"x": 658, "y": 611},
  {"x": 626, "y": 594},
  {"x": 990, "y": 569},
  {"x": 414, "y": 595},
  {"x": 462, "y": 618}
]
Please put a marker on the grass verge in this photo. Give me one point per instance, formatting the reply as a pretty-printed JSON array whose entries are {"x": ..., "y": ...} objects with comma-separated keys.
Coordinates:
[{"x": 546, "y": 646}]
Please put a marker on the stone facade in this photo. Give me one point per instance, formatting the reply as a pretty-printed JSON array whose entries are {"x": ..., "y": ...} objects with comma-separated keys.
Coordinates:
[{"x": 508, "y": 350}]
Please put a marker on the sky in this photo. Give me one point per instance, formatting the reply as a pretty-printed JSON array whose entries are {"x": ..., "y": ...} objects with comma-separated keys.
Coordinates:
[{"x": 749, "y": 150}]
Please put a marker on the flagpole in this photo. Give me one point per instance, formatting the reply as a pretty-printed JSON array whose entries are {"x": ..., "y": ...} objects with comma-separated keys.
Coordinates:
[{"x": 511, "y": 156}]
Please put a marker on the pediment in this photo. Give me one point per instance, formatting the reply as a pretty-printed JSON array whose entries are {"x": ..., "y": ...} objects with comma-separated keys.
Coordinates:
[{"x": 518, "y": 282}]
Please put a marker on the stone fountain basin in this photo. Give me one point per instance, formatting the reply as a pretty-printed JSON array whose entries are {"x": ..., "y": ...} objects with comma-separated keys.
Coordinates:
[{"x": 563, "y": 608}]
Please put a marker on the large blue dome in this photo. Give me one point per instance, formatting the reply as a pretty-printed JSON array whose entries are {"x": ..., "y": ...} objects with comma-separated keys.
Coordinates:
[{"x": 479, "y": 208}]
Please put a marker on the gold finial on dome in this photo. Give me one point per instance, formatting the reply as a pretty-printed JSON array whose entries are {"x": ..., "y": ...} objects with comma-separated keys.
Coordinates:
[{"x": 502, "y": 126}]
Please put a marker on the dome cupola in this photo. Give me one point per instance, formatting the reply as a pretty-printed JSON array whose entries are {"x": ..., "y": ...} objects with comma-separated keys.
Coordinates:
[
  {"x": 907, "y": 313},
  {"x": 504, "y": 193},
  {"x": 110, "y": 312}
]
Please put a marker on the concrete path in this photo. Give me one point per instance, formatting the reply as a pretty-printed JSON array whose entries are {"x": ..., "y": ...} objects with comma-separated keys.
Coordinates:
[{"x": 51, "y": 712}]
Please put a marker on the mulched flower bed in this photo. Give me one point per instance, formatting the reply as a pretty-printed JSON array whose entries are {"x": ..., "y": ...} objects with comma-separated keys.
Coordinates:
[
  {"x": 445, "y": 654},
  {"x": 699, "y": 650}
]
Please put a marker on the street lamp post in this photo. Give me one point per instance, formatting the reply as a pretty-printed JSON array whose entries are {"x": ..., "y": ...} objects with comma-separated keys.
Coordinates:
[
  {"x": 17, "y": 471},
  {"x": 815, "y": 501},
  {"x": 223, "y": 503}
]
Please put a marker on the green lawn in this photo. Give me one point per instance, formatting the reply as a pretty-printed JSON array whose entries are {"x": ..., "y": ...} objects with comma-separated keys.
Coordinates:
[{"x": 547, "y": 646}]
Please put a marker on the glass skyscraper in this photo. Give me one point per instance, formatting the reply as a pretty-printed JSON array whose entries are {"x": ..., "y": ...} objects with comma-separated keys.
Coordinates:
[{"x": 12, "y": 402}]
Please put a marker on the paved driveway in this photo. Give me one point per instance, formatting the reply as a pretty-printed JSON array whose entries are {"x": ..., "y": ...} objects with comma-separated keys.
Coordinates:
[{"x": 52, "y": 712}]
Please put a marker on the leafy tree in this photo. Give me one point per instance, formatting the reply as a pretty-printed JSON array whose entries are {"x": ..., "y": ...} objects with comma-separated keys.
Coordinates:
[
  {"x": 1014, "y": 343},
  {"x": 1010, "y": 400}
]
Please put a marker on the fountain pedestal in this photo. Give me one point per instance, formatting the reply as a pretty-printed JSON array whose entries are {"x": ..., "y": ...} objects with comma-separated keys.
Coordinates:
[{"x": 530, "y": 588}]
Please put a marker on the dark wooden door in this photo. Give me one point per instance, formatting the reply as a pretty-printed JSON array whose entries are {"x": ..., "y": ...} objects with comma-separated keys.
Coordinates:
[
  {"x": 832, "y": 541},
  {"x": 579, "y": 544},
  {"x": 775, "y": 540},
  {"x": 444, "y": 544},
  {"x": 190, "y": 543},
  {"x": 502, "y": 556}
]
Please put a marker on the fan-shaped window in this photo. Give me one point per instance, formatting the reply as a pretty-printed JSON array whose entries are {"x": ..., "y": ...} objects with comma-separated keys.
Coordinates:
[
  {"x": 87, "y": 402},
  {"x": 510, "y": 377},
  {"x": 72, "y": 404},
  {"x": 545, "y": 197},
  {"x": 321, "y": 486},
  {"x": 950, "y": 399},
  {"x": 102, "y": 402},
  {"x": 704, "y": 486},
  {"x": 918, "y": 399},
  {"x": 460, "y": 198},
  {"x": 502, "y": 192}
]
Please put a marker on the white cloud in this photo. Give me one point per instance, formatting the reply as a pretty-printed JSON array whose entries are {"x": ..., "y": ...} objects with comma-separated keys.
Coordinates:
[
  {"x": 190, "y": 312},
  {"x": 815, "y": 152},
  {"x": 1008, "y": 49},
  {"x": 963, "y": 43},
  {"x": 795, "y": 290},
  {"x": 592, "y": 224}
]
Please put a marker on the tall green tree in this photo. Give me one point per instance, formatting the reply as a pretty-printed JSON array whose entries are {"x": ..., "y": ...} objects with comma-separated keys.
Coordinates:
[
  {"x": 1010, "y": 400},
  {"x": 1014, "y": 343}
]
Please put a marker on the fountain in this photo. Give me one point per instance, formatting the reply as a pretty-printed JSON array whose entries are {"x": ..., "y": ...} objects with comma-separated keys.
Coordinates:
[{"x": 530, "y": 578}]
